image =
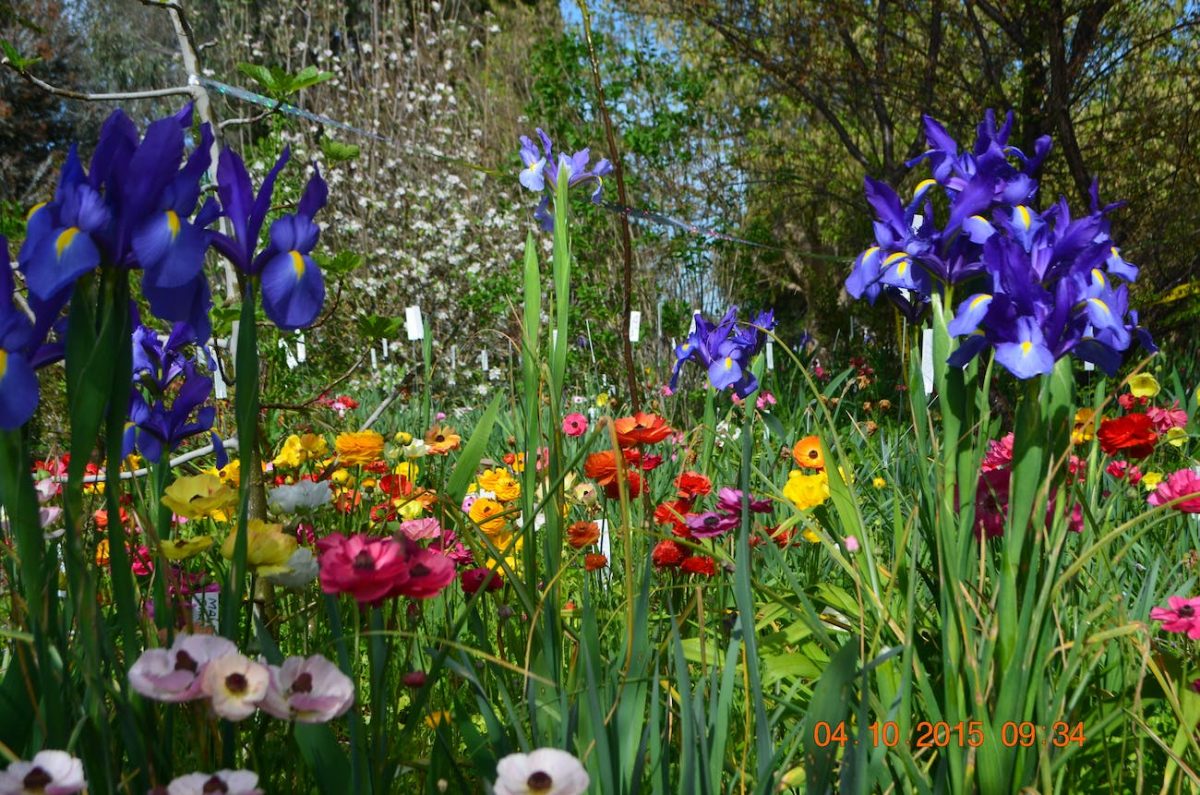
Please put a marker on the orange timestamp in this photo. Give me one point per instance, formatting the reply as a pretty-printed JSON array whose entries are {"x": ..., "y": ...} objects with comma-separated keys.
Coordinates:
[{"x": 966, "y": 734}]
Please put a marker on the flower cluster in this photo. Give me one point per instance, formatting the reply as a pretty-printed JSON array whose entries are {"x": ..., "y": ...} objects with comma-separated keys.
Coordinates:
[
  {"x": 725, "y": 350},
  {"x": 1041, "y": 285},
  {"x": 306, "y": 690},
  {"x": 610, "y": 471}
]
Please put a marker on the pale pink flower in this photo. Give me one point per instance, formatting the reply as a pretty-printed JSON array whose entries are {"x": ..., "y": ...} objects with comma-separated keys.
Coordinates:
[
  {"x": 546, "y": 771},
  {"x": 308, "y": 690},
  {"x": 173, "y": 674},
  {"x": 765, "y": 399},
  {"x": 421, "y": 529},
  {"x": 1166, "y": 419},
  {"x": 236, "y": 684},
  {"x": 225, "y": 782},
  {"x": 850, "y": 543},
  {"x": 48, "y": 773}
]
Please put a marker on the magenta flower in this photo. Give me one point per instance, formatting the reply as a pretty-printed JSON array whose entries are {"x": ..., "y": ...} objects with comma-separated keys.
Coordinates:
[
  {"x": 429, "y": 573},
  {"x": 1166, "y": 419},
  {"x": 1180, "y": 616},
  {"x": 48, "y": 773},
  {"x": 236, "y": 684},
  {"x": 369, "y": 569},
  {"x": 311, "y": 690},
  {"x": 730, "y": 501},
  {"x": 174, "y": 675},
  {"x": 999, "y": 454},
  {"x": 1184, "y": 483},
  {"x": 710, "y": 524},
  {"x": 575, "y": 424},
  {"x": 449, "y": 545}
]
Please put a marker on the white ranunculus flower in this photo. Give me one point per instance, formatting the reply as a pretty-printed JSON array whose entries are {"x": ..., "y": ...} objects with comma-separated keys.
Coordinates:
[
  {"x": 50, "y": 772},
  {"x": 233, "y": 782},
  {"x": 306, "y": 494},
  {"x": 546, "y": 771},
  {"x": 302, "y": 569}
]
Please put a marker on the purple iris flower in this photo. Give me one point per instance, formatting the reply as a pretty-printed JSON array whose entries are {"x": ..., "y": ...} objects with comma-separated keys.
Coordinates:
[
  {"x": 725, "y": 349},
  {"x": 155, "y": 430},
  {"x": 1039, "y": 285},
  {"x": 541, "y": 170},
  {"x": 18, "y": 384},
  {"x": 133, "y": 208},
  {"x": 293, "y": 289}
]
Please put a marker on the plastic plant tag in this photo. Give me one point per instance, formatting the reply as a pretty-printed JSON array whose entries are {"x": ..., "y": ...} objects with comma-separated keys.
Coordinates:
[
  {"x": 927, "y": 360},
  {"x": 413, "y": 324},
  {"x": 635, "y": 326},
  {"x": 770, "y": 355}
]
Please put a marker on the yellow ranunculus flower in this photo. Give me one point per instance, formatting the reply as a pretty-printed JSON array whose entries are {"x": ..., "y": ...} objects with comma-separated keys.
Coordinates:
[
  {"x": 1143, "y": 385},
  {"x": 230, "y": 474},
  {"x": 102, "y": 552},
  {"x": 1150, "y": 480},
  {"x": 1176, "y": 437},
  {"x": 358, "y": 448},
  {"x": 290, "y": 455},
  {"x": 1085, "y": 426},
  {"x": 313, "y": 445},
  {"x": 407, "y": 469},
  {"x": 413, "y": 509},
  {"x": 342, "y": 477},
  {"x": 402, "y": 438},
  {"x": 602, "y": 399},
  {"x": 810, "y": 536},
  {"x": 501, "y": 483},
  {"x": 807, "y": 491},
  {"x": 268, "y": 548},
  {"x": 184, "y": 548},
  {"x": 510, "y": 549},
  {"x": 199, "y": 496},
  {"x": 879, "y": 483}
]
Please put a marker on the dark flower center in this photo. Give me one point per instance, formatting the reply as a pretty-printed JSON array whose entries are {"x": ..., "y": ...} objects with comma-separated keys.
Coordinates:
[
  {"x": 185, "y": 662},
  {"x": 215, "y": 784},
  {"x": 236, "y": 684},
  {"x": 419, "y": 570},
  {"x": 439, "y": 438},
  {"x": 364, "y": 562},
  {"x": 303, "y": 683},
  {"x": 539, "y": 781},
  {"x": 1187, "y": 611},
  {"x": 37, "y": 779},
  {"x": 812, "y": 454}
]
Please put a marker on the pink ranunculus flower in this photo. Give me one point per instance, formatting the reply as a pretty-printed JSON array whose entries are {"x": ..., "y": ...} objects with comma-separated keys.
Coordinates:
[
  {"x": 575, "y": 424},
  {"x": 308, "y": 690},
  {"x": 236, "y": 684},
  {"x": 174, "y": 674},
  {"x": 226, "y": 782},
  {"x": 421, "y": 529},
  {"x": 1166, "y": 419},
  {"x": 765, "y": 399},
  {"x": 48, "y": 773},
  {"x": 999, "y": 454},
  {"x": 429, "y": 572},
  {"x": 1184, "y": 483},
  {"x": 1181, "y": 616},
  {"x": 369, "y": 569}
]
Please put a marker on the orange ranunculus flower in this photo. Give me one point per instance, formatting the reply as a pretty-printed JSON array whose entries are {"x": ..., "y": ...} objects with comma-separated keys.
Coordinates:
[
  {"x": 358, "y": 448},
  {"x": 441, "y": 439},
  {"x": 641, "y": 428},
  {"x": 487, "y": 513},
  {"x": 594, "y": 561},
  {"x": 582, "y": 534},
  {"x": 692, "y": 485},
  {"x": 807, "y": 453},
  {"x": 102, "y": 552},
  {"x": 1132, "y": 435},
  {"x": 602, "y": 468}
]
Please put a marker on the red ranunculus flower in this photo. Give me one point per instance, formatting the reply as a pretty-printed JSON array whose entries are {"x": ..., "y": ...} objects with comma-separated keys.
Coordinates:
[
  {"x": 667, "y": 554},
  {"x": 641, "y": 428},
  {"x": 692, "y": 485},
  {"x": 1132, "y": 435},
  {"x": 700, "y": 564}
]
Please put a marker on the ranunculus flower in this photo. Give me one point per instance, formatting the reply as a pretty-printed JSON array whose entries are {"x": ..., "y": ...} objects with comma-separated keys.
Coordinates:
[
  {"x": 575, "y": 424},
  {"x": 691, "y": 485},
  {"x": 667, "y": 554},
  {"x": 594, "y": 561},
  {"x": 730, "y": 501},
  {"x": 224, "y": 782},
  {"x": 582, "y": 534},
  {"x": 711, "y": 524},
  {"x": 268, "y": 548},
  {"x": 174, "y": 674},
  {"x": 199, "y": 496},
  {"x": 48, "y": 773},
  {"x": 500, "y": 483},
  {"x": 488, "y": 514},
  {"x": 441, "y": 439},
  {"x": 428, "y": 573},
  {"x": 369, "y": 569},
  {"x": 546, "y": 771},
  {"x": 358, "y": 448},
  {"x": 641, "y": 428},
  {"x": 1132, "y": 435},
  {"x": 699, "y": 564},
  {"x": 301, "y": 569},
  {"x": 236, "y": 684},
  {"x": 302, "y": 495},
  {"x": 806, "y": 491},
  {"x": 420, "y": 529},
  {"x": 1143, "y": 385},
  {"x": 1166, "y": 419},
  {"x": 1183, "y": 483},
  {"x": 184, "y": 548},
  {"x": 807, "y": 453},
  {"x": 308, "y": 690},
  {"x": 472, "y": 580},
  {"x": 999, "y": 453},
  {"x": 1181, "y": 616}
]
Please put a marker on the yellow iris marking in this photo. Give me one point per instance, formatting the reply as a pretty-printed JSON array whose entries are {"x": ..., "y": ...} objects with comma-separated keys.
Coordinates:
[
  {"x": 728, "y": 362},
  {"x": 298, "y": 264},
  {"x": 1023, "y": 211},
  {"x": 1098, "y": 276},
  {"x": 870, "y": 251},
  {"x": 923, "y": 185},
  {"x": 1101, "y": 304},
  {"x": 1115, "y": 253},
  {"x": 977, "y": 300},
  {"x": 893, "y": 257},
  {"x": 3, "y": 363},
  {"x": 1026, "y": 347},
  {"x": 64, "y": 240},
  {"x": 902, "y": 267},
  {"x": 979, "y": 218},
  {"x": 34, "y": 209},
  {"x": 173, "y": 223},
  {"x": 686, "y": 347}
]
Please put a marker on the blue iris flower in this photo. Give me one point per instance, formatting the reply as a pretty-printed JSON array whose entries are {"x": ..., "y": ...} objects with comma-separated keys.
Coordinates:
[
  {"x": 541, "y": 171},
  {"x": 725, "y": 349}
]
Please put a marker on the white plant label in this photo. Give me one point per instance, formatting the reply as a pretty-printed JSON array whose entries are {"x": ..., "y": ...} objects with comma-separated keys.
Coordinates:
[
  {"x": 220, "y": 391},
  {"x": 770, "y": 355},
  {"x": 635, "y": 326},
  {"x": 927, "y": 360},
  {"x": 413, "y": 323},
  {"x": 301, "y": 348},
  {"x": 1088, "y": 367},
  {"x": 483, "y": 360},
  {"x": 453, "y": 357},
  {"x": 385, "y": 349},
  {"x": 374, "y": 360}
]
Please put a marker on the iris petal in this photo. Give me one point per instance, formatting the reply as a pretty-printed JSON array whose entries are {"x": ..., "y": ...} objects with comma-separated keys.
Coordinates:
[{"x": 293, "y": 290}]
